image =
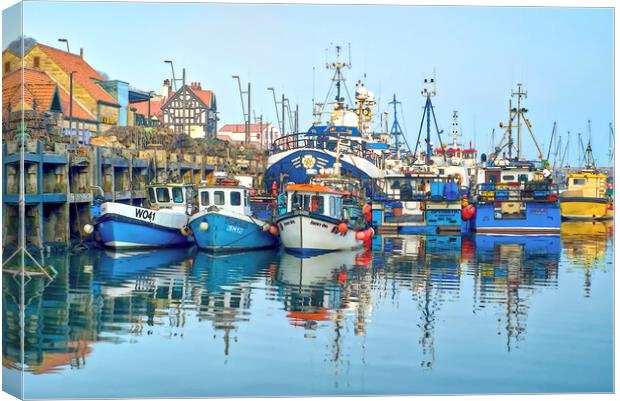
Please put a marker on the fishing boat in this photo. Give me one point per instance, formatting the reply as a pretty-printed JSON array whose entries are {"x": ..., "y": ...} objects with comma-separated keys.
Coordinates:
[
  {"x": 160, "y": 224},
  {"x": 225, "y": 221},
  {"x": 422, "y": 196},
  {"x": 586, "y": 197},
  {"x": 299, "y": 156},
  {"x": 319, "y": 217},
  {"x": 513, "y": 195}
]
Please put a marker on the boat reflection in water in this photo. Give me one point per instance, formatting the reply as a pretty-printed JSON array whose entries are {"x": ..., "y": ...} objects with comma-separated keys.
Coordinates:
[
  {"x": 325, "y": 288},
  {"x": 222, "y": 315},
  {"x": 585, "y": 244}
]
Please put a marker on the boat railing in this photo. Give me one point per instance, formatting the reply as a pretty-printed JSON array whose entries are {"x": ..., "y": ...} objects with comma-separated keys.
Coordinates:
[
  {"x": 517, "y": 192},
  {"x": 323, "y": 142}
]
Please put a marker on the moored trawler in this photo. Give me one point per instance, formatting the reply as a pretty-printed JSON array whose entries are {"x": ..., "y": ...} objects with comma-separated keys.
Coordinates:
[
  {"x": 118, "y": 225},
  {"x": 513, "y": 195},
  {"x": 586, "y": 196},
  {"x": 225, "y": 222},
  {"x": 346, "y": 138},
  {"x": 316, "y": 220}
]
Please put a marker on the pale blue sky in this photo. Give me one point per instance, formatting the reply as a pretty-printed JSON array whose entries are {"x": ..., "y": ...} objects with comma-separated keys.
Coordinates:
[{"x": 564, "y": 56}]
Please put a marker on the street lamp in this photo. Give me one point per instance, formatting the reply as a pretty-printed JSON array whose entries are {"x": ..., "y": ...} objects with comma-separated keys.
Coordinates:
[
  {"x": 174, "y": 80},
  {"x": 246, "y": 116},
  {"x": 66, "y": 42},
  {"x": 281, "y": 103},
  {"x": 71, "y": 104}
]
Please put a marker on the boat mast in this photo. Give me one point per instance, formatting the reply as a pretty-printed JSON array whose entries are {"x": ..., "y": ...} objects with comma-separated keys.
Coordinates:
[
  {"x": 428, "y": 92},
  {"x": 396, "y": 131}
]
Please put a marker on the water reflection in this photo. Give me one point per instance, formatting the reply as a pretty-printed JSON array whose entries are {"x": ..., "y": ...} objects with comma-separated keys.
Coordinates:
[{"x": 427, "y": 285}]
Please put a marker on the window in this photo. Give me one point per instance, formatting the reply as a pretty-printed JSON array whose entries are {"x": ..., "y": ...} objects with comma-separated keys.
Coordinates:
[
  {"x": 235, "y": 198},
  {"x": 317, "y": 204},
  {"x": 36, "y": 61},
  {"x": 246, "y": 198},
  {"x": 204, "y": 198},
  {"x": 152, "y": 196},
  {"x": 7, "y": 67},
  {"x": 522, "y": 177},
  {"x": 508, "y": 178},
  {"x": 579, "y": 181},
  {"x": 177, "y": 195},
  {"x": 163, "y": 195},
  {"x": 218, "y": 198},
  {"x": 332, "y": 206}
]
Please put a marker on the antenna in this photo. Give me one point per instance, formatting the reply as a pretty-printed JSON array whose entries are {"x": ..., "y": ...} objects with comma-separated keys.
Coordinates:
[
  {"x": 429, "y": 90},
  {"x": 610, "y": 153},
  {"x": 456, "y": 129}
]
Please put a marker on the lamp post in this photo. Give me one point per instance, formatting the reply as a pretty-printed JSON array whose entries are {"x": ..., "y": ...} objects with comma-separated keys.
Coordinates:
[
  {"x": 246, "y": 116},
  {"x": 174, "y": 80},
  {"x": 71, "y": 104},
  {"x": 275, "y": 102},
  {"x": 148, "y": 121},
  {"x": 66, "y": 42}
]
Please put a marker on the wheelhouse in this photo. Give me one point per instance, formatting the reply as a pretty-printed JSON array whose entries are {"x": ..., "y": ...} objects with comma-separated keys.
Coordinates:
[
  {"x": 315, "y": 199},
  {"x": 170, "y": 196},
  {"x": 232, "y": 198}
]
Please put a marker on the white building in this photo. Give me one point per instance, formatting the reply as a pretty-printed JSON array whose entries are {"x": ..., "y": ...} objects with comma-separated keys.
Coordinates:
[{"x": 261, "y": 135}]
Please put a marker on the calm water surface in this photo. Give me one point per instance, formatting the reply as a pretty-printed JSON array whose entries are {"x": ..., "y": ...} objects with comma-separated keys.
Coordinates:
[{"x": 414, "y": 315}]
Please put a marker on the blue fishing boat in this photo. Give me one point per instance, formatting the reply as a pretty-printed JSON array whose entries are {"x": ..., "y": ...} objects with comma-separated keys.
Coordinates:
[
  {"x": 160, "y": 224},
  {"x": 514, "y": 196},
  {"x": 297, "y": 157},
  {"x": 225, "y": 222},
  {"x": 423, "y": 197}
]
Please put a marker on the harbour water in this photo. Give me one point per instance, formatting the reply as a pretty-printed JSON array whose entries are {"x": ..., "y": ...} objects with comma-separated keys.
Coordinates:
[{"x": 413, "y": 315}]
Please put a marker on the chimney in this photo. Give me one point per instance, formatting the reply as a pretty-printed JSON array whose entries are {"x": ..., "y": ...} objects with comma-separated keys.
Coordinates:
[
  {"x": 81, "y": 52},
  {"x": 166, "y": 89}
]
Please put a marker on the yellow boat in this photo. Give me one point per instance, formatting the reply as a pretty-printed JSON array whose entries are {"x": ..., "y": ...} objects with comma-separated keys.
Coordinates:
[{"x": 586, "y": 197}]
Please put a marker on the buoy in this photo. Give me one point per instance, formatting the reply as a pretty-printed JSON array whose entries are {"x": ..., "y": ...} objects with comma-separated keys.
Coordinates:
[
  {"x": 372, "y": 232},
  {"x": 89, "y": 228},
  {"x": 366, "y": 209},
  {"x": 342, "y": 228},
  {"x": 186, "y": 231},
  {"x": 273, "y": 230},
  {"x": 468, "y": 212},
  {"x": 360, "y": 235},
  {"x": 204, "y": 226}
]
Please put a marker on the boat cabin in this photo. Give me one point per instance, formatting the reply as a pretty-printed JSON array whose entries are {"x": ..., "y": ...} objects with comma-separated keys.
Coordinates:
[
  {"x": 233, "y": 198},
  {"x": 587, "y": 185},
  {"x": 170, "y": 196},
  {"x": 315, "y": 199}
]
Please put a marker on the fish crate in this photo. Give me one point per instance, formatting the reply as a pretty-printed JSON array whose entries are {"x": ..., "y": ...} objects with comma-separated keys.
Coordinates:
[
  {"x": 501, "y": 195},
  {"x": 540, "y": 194},
  {"x": 487, "y": 187},
  {"x": 380, "y": 197}
]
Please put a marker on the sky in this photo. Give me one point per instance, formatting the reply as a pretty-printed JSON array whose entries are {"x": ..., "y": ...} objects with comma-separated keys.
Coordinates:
[{"x": 562, "y": 56}]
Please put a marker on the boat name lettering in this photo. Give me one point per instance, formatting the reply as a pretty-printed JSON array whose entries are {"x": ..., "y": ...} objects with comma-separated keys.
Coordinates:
[
  {"x": 316, "y": 223},
  {"x": 286, "y": 223},
  {"x": 234, "y": 229},
  {"x": 145, "y": 214}
]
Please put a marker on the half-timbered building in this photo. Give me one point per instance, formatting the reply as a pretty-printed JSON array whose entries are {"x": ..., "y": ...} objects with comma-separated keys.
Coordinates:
[{"x": 190, "y": 110}]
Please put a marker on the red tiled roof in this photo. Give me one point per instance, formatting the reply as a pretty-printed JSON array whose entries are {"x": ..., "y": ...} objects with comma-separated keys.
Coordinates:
[
  {"x": 78, "y": 111},
  {"x": 206, "y": 96},
  {"x": 84, "y": 73},
  {"x": 143, "y": 107},
  {"x": 240, "y": 128},
  {"x": 37, "y": 87}
]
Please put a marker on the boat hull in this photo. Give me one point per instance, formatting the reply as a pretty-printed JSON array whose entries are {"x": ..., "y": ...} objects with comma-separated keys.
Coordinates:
[
  {"x": 121, "y": 232},
  {"x": 305, "y": 232},
  {"x": 126, "y": 226},
  {"x": 541, "y": 218},
  {"x": 294, "y": 165},
  {"x": 584, "y": 208},
  {"x": 230, "y": 231}
]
